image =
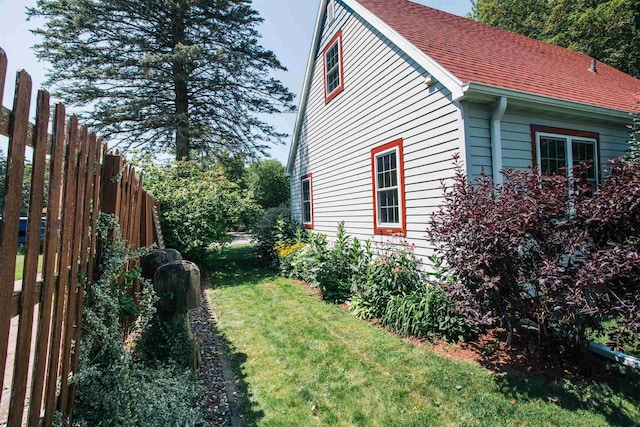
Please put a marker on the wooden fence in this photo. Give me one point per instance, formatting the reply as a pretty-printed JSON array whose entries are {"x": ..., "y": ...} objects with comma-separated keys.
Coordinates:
[{"x": 40, "y": 315}]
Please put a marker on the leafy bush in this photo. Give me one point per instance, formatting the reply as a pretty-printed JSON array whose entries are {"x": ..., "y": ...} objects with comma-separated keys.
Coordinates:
[
  {"x": 533, "y": 249},
  {"x": 269, "y": 183},
  {"x": 126, "y": 393},
  {"x": 112, "y": 389},
  {"x": 394, "y": 290},
  {"x": 272, "y": 228},
  {"x": 330, "y": 266},
  {"x": 307, "y": 260},
  {"x": 425, "y": 313},
  {"x": 342, "y": 262},
  {"x": 198, "y": 206},
  {"x": 394, "y": 271}
]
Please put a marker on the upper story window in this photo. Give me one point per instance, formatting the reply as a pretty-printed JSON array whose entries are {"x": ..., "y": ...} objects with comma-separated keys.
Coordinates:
[
  {"x": 559, "y": 150},
  {"x": 307, "y": 201},
  {"x": 333, "y": 73},
  {"x": 389, "y": 210}
]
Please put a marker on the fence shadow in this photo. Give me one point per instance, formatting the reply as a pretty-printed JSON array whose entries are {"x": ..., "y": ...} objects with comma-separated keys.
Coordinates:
[{"x": 222, "y": 371}]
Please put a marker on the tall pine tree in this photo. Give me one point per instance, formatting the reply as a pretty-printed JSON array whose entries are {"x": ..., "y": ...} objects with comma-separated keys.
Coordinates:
[
  {"x": 178, "y": 76},
  {"x": 608, "y": 30}
]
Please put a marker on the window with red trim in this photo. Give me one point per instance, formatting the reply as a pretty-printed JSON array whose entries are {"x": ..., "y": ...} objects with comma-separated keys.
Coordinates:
[
  {"x": 333, "y": 72},
  {"x": 389, "y": 210},
  {"x": 307, "y": 201},
  {"x": 558, "y": 150}
]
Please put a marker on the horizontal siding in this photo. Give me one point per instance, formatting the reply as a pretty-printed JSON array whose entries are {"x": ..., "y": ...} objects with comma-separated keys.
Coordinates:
[
  {"x": 384, "y": 98},
  {"x": 517, "y": 148}
]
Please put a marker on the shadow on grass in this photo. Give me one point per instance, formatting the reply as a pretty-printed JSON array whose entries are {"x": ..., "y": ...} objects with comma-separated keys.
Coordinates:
[
  {"x": 604, "y": 396},
  {"x": 235, "y": 266},
  {"x": 573, "y": 382}
]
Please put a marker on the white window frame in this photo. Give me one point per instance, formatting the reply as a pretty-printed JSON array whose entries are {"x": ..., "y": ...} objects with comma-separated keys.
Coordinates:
[
  {"x": 307, "y": 179},
  {"x": 568, "y": 148}
]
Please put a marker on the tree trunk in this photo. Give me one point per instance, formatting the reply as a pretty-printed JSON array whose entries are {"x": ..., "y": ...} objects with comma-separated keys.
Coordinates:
[
  {"x": 180, "y": 81},
  {"x": 183, "y": 139}
]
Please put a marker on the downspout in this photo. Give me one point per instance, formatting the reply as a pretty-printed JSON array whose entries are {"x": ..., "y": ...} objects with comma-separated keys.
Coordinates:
[{"x": 496, "y": 140}]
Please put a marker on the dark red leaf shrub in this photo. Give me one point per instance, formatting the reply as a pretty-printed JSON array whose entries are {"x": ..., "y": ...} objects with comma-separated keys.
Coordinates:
[{"x": 531, "y": 249}]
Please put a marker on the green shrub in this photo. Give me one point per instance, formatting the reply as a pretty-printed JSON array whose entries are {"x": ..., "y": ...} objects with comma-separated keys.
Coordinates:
[
  {"x": 394, "y": 271},
  {"x": 199, "y": 206},
  {"x": 343, "y": 262},
  {"x": 272, "y": 228},
  {"x": 332, "y": 267},
  {"x": 425, "y": 313},
  {"x": 307, "y": 260},
  {"x": 128, "y": 394}
]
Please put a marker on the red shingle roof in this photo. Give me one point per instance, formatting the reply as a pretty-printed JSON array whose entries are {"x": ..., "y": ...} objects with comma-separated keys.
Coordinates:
[{"x": 475, "y": 52}]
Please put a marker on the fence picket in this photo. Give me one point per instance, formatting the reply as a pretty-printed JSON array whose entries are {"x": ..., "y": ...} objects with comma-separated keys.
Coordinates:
[
  {"x": 29, "y": 297},
  {"x": 48, "y": 263},
  {"x": 64, "y": 258},
  {"x": 18, "y": 129},
  {"x": 72, "y": 294}
]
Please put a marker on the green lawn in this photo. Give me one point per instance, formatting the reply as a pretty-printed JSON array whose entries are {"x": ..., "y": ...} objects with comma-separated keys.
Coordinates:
[
  {"x": 20, "y": 266},
  {"x": 303, "y": 362}
]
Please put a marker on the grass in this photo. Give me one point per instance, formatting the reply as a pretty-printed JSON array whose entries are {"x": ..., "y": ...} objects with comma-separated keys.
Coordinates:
[
  {"x": 20, "y": 266},
  {"x": 603, "y": 339},
  {"x": 301, "y": 361}
]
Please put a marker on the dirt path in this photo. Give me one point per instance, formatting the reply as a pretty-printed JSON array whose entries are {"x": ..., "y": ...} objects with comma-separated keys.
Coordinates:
[{"x": 220, "y": 401}]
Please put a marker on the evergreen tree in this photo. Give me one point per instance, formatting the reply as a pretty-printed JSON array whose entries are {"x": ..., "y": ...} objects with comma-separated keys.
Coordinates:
[
  {"x": 608, "y": 30},
  {"x": 179, "y": 76}
]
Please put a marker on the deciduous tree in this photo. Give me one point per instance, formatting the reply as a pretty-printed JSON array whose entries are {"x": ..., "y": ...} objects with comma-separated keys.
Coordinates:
[
  {"x": 608, "y": 30},
  {"x": 268, "y": 183}
]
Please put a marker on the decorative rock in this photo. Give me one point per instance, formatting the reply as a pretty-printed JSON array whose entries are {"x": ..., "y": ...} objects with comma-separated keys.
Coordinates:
[
  {"x": 169, "y": 336},
  {"x": 155, "y": 259},
  {"x": 177, "y": 285}
]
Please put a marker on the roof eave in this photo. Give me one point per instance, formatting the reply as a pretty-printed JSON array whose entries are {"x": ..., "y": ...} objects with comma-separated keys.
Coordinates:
[
  {"x": 304, "y": 95},
  {"x": 474, "y": 90}
]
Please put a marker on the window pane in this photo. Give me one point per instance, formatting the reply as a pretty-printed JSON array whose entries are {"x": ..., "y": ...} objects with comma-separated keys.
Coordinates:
[
  {"x": 306, "y": 201},
  {"x": 333, "y": 67},
  {"x": 306, "y": 210},
  {"x": 388, "y": 206},
  {"x": 333, "y": 80},
  {"x": 306, "y": 191},
  {"x": 387, "y": 170},
  {"x": 552, "y": 155},
  {"x": 584, "y": 152}
]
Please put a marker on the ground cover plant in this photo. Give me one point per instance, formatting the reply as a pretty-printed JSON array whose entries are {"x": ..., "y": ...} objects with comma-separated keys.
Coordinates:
[
  {"x": 114, "y": 388},
  {"x": 303, "y": 361},
  {"x": 545, "y": 249}
]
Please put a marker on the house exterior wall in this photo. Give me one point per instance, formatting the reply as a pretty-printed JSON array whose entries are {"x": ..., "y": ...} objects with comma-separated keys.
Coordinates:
[
  {"x": 385, "y": 98},
  {"x": 517, "y": 145}
]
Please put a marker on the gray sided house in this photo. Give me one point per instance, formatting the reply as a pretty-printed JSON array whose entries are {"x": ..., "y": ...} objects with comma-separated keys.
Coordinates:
[{"x": 394, "y": 89}]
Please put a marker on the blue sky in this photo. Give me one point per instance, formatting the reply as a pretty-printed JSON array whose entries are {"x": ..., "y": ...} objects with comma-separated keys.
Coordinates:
[{"x": 286, "y": 30}]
